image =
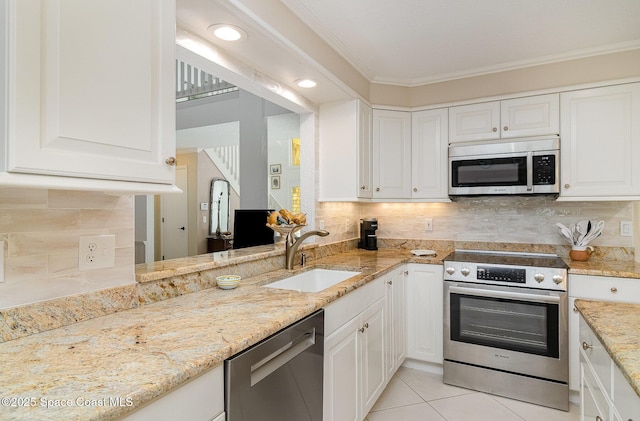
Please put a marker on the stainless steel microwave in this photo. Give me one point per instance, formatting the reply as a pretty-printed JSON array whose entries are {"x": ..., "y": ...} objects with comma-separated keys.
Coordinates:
[{"x": 502, "y": 167}]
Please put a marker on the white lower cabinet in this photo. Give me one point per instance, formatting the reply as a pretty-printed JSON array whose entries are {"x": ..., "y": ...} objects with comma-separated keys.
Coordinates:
[
  {"x": 200, "y": 399},
  {"x": 354, "y": 353},
  {"x": 396, "y": 320},
  {"x": 595, "y": 288},
  {"x": 606, "y": 394},
  {"x": 424, "y": 301}
]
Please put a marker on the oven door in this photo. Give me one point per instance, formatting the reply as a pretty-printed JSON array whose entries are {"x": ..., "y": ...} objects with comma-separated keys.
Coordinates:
[{"x": 519, "y": 330}]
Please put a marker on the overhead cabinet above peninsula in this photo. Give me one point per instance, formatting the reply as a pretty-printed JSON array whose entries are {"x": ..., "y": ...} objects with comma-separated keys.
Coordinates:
[{"x": 90, "y": 94}]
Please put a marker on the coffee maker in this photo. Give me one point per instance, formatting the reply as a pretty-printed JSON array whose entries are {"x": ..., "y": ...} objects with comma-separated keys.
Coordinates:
[{"x": 368, "y": 238}]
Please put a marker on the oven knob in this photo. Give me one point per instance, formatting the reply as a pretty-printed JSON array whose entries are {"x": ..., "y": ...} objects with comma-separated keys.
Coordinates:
[
  {"x": 450, "y": 270},
  {"x": 557, "y": 279},
  {"x": 465, "y": 271},
  {"x": 539, "y": 277}
]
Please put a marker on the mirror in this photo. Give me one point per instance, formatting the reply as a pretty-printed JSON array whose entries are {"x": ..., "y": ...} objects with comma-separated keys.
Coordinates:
[
  {"x": 219, "y": 206},
  {"x": 261, "y": 143}
]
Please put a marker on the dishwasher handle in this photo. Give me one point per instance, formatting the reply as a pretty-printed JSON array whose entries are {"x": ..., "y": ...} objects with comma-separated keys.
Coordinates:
[{"x": 282, "y": 356}]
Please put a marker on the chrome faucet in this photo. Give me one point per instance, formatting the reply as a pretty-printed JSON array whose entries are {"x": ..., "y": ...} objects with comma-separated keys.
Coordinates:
[{"x": 291, "y": 245}]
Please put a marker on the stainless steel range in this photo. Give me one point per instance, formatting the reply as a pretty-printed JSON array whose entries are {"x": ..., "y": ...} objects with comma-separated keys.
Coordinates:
[{"x": 505, "y": 325}]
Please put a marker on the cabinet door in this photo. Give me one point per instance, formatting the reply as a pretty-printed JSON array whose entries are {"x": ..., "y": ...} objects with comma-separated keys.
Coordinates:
[
  {"x": 530, "y": 116},
  {"x": 600, "y": 138},
  {"x": 424, "y": 298},
  {"x": 373, "y": 355},
  {"x": 342, "y": 373},
  {"x": 395, "y": 323},
  {"x": 391, "y": 154},
  {"x": 429, "y": 142},
  {"x": 625, "y": 399},
  {"x": 92, "y": 89},
  {"x": 474, "y": 122},
  {"x": 365, "y": 150}
]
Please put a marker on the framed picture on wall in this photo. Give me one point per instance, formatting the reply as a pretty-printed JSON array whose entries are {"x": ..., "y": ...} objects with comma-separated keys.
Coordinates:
[
  {"x": 275, "y": 169},
  {"x": 275, "y": 182}
]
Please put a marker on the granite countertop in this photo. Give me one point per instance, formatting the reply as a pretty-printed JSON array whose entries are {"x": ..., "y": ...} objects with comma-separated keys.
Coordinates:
[
  {"x": 617, "y": 326},
  {"x": 140, "y": 354}
]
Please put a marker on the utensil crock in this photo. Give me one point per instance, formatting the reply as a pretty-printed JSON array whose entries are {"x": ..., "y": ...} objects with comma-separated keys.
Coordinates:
[{"x": 580, "y": 253}]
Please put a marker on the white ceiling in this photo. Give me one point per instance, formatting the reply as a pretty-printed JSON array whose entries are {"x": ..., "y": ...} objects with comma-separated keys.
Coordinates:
[{"x": 413, "y": 42}]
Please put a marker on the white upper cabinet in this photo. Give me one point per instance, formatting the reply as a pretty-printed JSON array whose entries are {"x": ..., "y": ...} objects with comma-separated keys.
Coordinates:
[
  {"x": 474, "y": 122},
  {"x": 365, "y": 150},
  {"x": 600, "y": 143},
  {"x": 345, "y": 151},
  {"x": 519, "y": 117},
  {"x": 90, "y": 90},
  {"x": 429, "y": 166},
  {"x": 391, "y": 154}
]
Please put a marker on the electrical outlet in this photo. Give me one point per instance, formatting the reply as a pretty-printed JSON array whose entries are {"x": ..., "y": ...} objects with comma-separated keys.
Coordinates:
[
  {"x": 428, "y": 224},
  {"x": 321, "y": 224},
  {"x": 204, "y": 206},
  {"x": 626, "y": 228},
  {"x": 96, "y": 252}
]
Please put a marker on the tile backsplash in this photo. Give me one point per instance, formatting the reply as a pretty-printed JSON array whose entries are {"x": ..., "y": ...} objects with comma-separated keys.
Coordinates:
[
  {"x": 41, "y": 230},
  {"x": 508, "y": 219}
]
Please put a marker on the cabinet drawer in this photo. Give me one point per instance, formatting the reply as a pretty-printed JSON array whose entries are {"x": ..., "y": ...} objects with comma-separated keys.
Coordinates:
[
  {"x": 605, "y": 288},
  {"x": 596, "y": 356},
  {"x": 594, "y": 402},
  {"x": 346, "y": 308}
]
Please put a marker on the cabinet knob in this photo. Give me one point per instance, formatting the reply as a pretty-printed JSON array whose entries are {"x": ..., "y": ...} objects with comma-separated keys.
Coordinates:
[
  {"x": 363, "y": 187},
  {"x": 575, "y": 310},
  {"x": 406, "y": 272},
  {"x": 505, "y": 128},
  {"x": 415, "y": 189},
  {"x": 171, "y": 161},
  {"x": 361, "y": 330},
  {"x": 586, "y": 346},
  {"x": 566, "y": 186},
  {"x": 495, "y": 129},
  {"x": 389, "y": 282},
  {"x": 377, "y": 188},
  {"x": 614, "y": 289}
]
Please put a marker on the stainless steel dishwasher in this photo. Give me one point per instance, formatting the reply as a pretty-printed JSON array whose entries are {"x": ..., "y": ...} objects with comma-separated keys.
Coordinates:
[{"x": 280, "y": 378}]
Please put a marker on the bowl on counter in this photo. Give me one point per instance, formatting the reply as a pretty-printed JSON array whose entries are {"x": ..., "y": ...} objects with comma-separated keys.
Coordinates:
[{"x": 228, "y": 281}]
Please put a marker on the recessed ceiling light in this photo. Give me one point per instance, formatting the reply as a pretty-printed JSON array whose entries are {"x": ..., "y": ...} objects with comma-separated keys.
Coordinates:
[
  {"x": 228, "y": 32},
  {"x": 306, "y": 83}
]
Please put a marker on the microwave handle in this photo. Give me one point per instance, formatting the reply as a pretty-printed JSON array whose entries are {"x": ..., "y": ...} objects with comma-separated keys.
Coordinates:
[{"x": 529, "y": 171}]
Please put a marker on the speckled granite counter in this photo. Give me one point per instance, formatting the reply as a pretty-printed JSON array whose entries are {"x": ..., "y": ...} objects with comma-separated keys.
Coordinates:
[
  {"x": 144, "y": 352},
  {"x": 617, "y": 326},
  {"x": 159, "y": 343}
]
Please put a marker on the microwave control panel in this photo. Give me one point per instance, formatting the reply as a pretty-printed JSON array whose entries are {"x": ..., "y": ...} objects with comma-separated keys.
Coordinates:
[{"x": 544, "y": 170}]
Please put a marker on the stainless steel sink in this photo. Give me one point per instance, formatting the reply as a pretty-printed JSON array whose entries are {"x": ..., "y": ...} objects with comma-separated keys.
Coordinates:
[{"x": 314, "y": 280}]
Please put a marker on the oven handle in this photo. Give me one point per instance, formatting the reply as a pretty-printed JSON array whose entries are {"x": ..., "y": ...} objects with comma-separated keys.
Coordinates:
[
  {"x": 503, "y": 294},
  {"x": 529, "y": 171}
]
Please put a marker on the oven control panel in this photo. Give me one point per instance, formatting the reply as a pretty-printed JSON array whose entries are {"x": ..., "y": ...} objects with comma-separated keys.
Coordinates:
[
  {"x": 522, "y": 276},
  {"x": 502, "y": 274}
]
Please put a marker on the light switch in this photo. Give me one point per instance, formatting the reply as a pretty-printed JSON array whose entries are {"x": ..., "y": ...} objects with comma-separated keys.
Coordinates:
[
  {"x": 626, "y": 228},
  {"x": 204, "y": 206}
]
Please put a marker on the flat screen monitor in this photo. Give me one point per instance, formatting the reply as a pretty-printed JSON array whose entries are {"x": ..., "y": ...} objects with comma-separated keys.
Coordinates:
[{"x": 250, "y": 228}]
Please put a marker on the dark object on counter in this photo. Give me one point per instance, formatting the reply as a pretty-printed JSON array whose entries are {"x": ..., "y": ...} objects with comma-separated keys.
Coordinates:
[
  {"x": 218, "y": 244},
  {"x": 250, "y": 228},
  {"x": 368, "y": 237}
]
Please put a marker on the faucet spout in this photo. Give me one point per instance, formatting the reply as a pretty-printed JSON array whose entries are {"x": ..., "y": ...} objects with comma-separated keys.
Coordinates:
[{"x": 291, "y": 245}]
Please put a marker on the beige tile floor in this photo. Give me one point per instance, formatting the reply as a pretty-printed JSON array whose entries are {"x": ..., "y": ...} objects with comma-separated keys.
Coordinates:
[{"x": 416, "y": 395}]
